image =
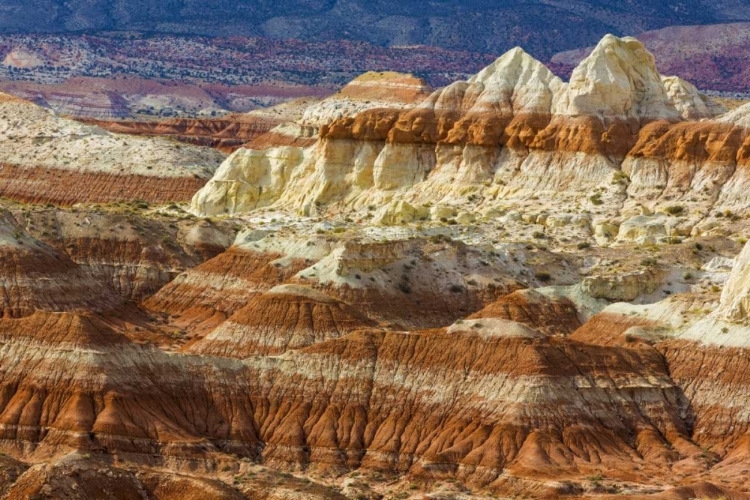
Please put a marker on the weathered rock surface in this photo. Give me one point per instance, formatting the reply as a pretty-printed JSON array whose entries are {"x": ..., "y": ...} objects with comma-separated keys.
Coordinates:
[
  {"x": 735, "y": 297},
  {"x": 615, "y": 136},
  {"x": 46, "y": 158},
  {"x": 508, "y": 287}
]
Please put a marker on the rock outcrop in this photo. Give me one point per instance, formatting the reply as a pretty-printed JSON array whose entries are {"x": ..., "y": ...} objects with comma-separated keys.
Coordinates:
[
  {"x": 735, "y": 297},
  {"x": 511, "y": 132}
]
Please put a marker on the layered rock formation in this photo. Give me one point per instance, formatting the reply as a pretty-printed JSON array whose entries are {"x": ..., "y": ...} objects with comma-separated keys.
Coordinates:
[
  {"x": 134, "y": 250},
  {"x": 509, "y": 133},
  {"x": 735, "y": 298},
  {"x": 50, "y": 159},
  {"x": 486, "y": 294},
  {"x": 35, "y": 277},
  {"x": 227, "y": 134}
]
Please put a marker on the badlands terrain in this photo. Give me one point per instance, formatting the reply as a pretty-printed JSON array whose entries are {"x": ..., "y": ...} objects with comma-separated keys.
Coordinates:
[{"x": 511, "y": 286}]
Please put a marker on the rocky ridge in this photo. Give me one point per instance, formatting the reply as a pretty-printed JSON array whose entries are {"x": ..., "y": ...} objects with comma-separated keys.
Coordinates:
[
  {"x": 618, "y": 130},
  {"x": 52, "y": 159}
]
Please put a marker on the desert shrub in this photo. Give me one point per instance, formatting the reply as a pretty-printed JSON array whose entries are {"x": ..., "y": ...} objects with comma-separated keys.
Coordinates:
[
  {"x": 675, "y": 209},
  {"x": 543, "y": 276}
]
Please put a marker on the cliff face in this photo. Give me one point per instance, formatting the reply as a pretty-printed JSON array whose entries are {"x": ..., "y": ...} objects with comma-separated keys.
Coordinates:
[{"x": 512, "y": 131}]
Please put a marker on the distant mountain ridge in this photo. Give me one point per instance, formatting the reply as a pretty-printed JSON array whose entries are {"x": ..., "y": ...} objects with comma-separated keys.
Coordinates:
[
  {"x": 715, "y": 57},
  {"x": 542, "y": 27}
]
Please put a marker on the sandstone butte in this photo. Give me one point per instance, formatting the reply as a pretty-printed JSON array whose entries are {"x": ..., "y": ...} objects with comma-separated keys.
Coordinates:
[{"x": 510, "y": 287}]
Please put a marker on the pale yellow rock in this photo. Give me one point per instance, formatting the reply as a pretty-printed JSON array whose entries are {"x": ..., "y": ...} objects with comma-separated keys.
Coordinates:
[
  {"x": 691, "y": 104},
  {"x": 623, "y": 287},
  {"x": 618, "y": 80},
  {"x": 515, "y": 83},
  {"x": 465, "y": 218},
  {"x": 439, "y": 212},
  {"x": 735, "y": 297},
  {"x": 605, "y": 232},
  {"x": 402, "y": 166},
  {"x": 400, "y": 212},
  {"x": 248, "y": 179},
  {"x": 643, "y": 230},
  {"x": 568, "y": 220}
]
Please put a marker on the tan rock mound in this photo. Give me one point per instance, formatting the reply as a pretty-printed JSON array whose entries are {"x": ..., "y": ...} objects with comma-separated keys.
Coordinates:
[{"x": 206, "y": 295}]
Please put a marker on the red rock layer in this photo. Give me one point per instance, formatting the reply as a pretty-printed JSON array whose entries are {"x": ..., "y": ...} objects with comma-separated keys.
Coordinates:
[
  {"x": 607, "y": 329},
  {"x": 425, "y": 402},
  {"x": 694, "y": 141},
  {"x": 274, "y": 139},
  {"x": 586, "y": 134},
  {"x": 551, "y": 316},
  {"x": 225, "y": 134},
  {"x": 206, "y": 295},
  {"x": 275, "y": 322},
  {"x": 35, "y": 277},
  {"x": 422, "y": 307},
  {"x": 67, "y": 187},
  {"x": 716, "y": 381}
]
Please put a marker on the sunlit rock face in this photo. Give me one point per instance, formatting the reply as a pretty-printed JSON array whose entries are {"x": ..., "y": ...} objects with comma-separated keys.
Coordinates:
[
  {"x": 511, "y": 132},
  {"x": 47, "y": 158}
]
